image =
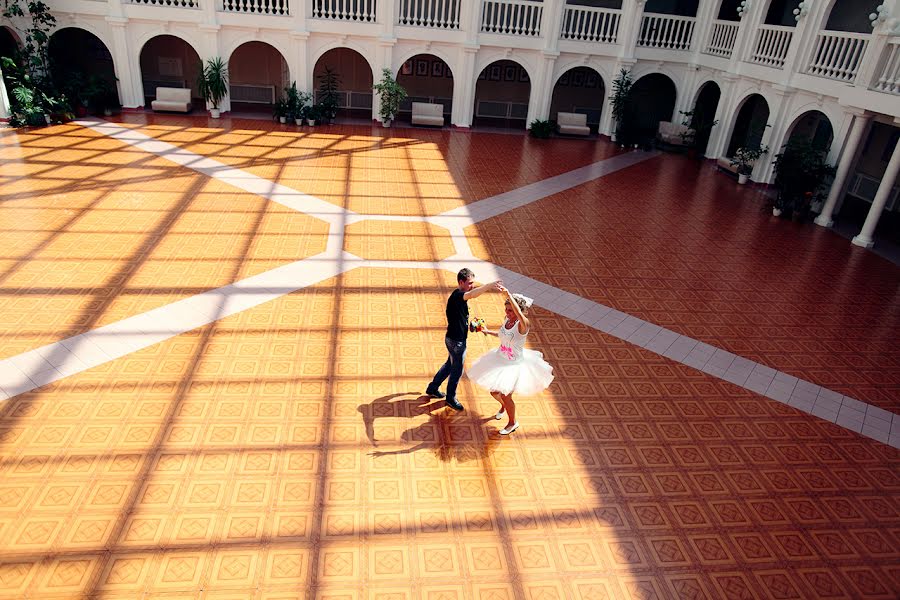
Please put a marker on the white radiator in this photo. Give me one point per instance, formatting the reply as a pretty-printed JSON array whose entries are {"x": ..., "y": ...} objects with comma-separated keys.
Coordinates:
[{"x": 253, "y": 94}]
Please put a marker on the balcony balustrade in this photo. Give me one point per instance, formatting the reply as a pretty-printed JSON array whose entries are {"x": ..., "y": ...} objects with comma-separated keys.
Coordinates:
[
  {"x": 668, "y": 32},
  {"x": 589, "y": 24},
  {"x": 772, "y": 44},
  {"x": 511, "y": 17},
  {"x": 721, "y": 38},
  {"x": 443, "y": 14},
  {"x": 344, "y": 10},
  {"x": 838, "y": 55},
  {"x": 257, "y": 7},
  {"x": 173, "y": 3}
]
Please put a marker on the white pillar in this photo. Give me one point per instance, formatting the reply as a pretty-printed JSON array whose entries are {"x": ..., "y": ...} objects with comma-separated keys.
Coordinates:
[
  {"x": 127, "y": 64},
  {"x": 847, "y": 160},
  {"x": 464, "y": 87},
  {"x": 774, "y": 136},
  {"x": 630, "y": 26},
  {"x": 706, "y": 13},
  {"x": 542, "y": 89},
  {"x": 718, "y": 137},
  {"x": 384, "y": 60},
  {"x": 4, "y": 99},
  {"x": 551, "y": 22},
  {"x": 298, "y": 61},
  {"x": 864, "y": 238}
]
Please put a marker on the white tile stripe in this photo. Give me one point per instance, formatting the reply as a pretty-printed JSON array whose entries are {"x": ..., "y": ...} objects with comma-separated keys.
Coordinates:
[{"x": 52, "y": 362}]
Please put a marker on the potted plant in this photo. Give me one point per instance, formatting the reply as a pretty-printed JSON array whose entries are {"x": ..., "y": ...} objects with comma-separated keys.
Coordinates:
[
  {"x": 540, "y": 128},
  {"x": 279, "y": 111},
  {"x": 697, "y": 131},
  {"x": 745, "y": 158},
  {"x": 329, "y": 96},
  {"x": 313, "y": 114},
  {"x": 292, "y": 103},
  {"x": 390, "y": 95},
  {"x": 303, "y": 102},
  {"x": 801, "y": 175},
  {"x": 619, "y": 102},
  {"x": 213, "y": 83}
]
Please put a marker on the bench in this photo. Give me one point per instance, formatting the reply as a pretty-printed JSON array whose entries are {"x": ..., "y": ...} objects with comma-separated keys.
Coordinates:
[
  {"x": 572, "y": 123},
  {"x": 427, "y": 113},
  {"x": 724, "y": 163},
  {"x": 674, "y": 134},
  {"x": 172, "y": 99}
]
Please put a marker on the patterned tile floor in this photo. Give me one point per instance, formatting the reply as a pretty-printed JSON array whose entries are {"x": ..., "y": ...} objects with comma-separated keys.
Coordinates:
[{"x": 286, "y": 451}]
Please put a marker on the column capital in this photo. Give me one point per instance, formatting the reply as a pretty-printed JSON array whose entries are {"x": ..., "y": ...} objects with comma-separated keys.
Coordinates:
[
  {"x": 117, "y": 21},
  {"x": 471, "y": 48},
  {"x": 550, "y": 54},
  {"x": 212, "y": 28},
  {"x": 299, "y": 34},
  {"x": 388, "y": 42}
]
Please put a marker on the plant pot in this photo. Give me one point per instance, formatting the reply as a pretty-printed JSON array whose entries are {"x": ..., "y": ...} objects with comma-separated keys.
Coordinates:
[
  {"x": 282, "y": 120},
  {"x": 311, "y": 122},
  {"x": 776, "y": 212},
  {"x": 386, "y": 123},
  {"x": 298, "y": 122},
  {"x": 742, "y": 178},
  {"x": 214, "y": 113},
  {"x": 107, "y": 112}
]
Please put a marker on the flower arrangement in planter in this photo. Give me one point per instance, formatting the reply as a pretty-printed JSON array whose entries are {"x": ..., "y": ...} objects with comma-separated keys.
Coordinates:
[
  {"x": 745, "y": 158},
  {"x": 390, "y": 95}
]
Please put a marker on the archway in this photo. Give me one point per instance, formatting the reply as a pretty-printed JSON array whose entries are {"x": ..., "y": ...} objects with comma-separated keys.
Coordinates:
[
  {"x": 501, "y": 95},
  {"x": 579, "y": 90},
  {"x": 781, "y": 12},
  {"x": 354, "y": 76},
  {"x": 82, "y": 66},
  {"x": 257, "y": 77},
  {"x": 851, "y": 15},
  {"x": 813, "y": 126},
  {"x": 426, "y": 78},
  {"x": 652, "y": 100},
  {"x": 9, "y": 43},
  {"x": 703, "y": 114},
  {"x": 750, "y": 124},
  {"x": 728, "y": 10},
  {"x": 682, "y": 8},
  {"x": 169, "y": 61}
]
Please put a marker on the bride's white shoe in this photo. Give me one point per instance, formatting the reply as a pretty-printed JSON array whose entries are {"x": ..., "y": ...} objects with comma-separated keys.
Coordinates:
[
  {"x": 509, "y": 430},
  {"x": 500, "y": 414}
]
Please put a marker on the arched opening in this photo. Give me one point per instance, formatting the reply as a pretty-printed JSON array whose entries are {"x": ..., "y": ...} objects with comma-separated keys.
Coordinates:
[
  {"x": 257, "y": 77},
  {"x": 815, "y": 127},
  {"x": 354, "y": 82},
  {"x": 703, "y": 114},
  {"x": 169, "y": 61},
  {"x": 82, "y": 67},
  {"x": 728, "y": 10},
  {"x": 852, "y": 15},
  {"x": 426, "y": 78},
  {"x": 781, "y": 12},
  {"x": 9, "y": 44},
  {"x": 652, "y": 100},
  {"x": 579, "y": 90},
  {"x": 501, "y": 95},
  {"x": 749, "y": 125},
  {"x": 682, "y": 8}
]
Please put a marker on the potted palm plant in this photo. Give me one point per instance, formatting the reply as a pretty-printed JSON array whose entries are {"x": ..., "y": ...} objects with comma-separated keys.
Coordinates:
[
  {"x": 213, "y": 83},
  {"x": 390, "y": 95},
  {"x": 329, "y": 96},
  {"x": 619, "y": 101},
  {"x": 745, "y": 158}
]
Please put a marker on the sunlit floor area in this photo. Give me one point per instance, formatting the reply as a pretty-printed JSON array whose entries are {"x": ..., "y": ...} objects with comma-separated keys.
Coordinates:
[{"x": 215, "y": 338}]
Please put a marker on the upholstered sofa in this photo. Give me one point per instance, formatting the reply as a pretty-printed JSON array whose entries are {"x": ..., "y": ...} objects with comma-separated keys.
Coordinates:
[
  {"x": 572, "y": 123},
  {"x": 427, "y": 113},
  {"x": 172, "y": 99},
  {"x": 724, "y": 163},
  {"x": 673, "y": 134}
]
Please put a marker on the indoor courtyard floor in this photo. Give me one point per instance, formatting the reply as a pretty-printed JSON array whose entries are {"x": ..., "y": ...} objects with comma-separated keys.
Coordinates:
[{"x": 216, "y": 337}]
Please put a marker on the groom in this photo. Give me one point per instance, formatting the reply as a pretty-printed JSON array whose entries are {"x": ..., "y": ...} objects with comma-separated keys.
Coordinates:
[{"x": 455, "y": 339}]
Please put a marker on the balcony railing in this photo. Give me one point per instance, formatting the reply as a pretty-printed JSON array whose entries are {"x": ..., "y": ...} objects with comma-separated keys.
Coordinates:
[
  {"x": 257, "y": 7},
  {"x": 888, "y": 79},
  {"x": 772, "y": 44},
  {"x": 588, "y": 24},
  {"x": 513, "y": 17},
  {"x": 838, "y": 55},
  {"x": 721, "y": 38},
  {"x": 430, "y": 13},
  {"x": 344, "y": 10},
  {"x": 669, "y": 32},
  {"x": 175, "y": 3}
]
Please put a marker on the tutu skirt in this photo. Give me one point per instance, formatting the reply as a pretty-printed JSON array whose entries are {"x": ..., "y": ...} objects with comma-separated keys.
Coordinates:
[{"x": 528, "y": 375}]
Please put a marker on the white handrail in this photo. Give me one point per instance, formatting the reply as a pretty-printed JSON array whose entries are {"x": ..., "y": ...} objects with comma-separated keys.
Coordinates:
[
  {"x": 666, "y": 31},
  {"x": 589, "y": 24},
  {"x": 721, "y": 38},
  {"x": 259, "y": 7},
  {"x": 888, "y": 79},
  {"x": 513, "y": 17},
  {"x": 772, "y": 44},
  {"x": 174, "y": 3},
  {"x": 838, "y": 55},
  {"x": 430, "y": 13}
]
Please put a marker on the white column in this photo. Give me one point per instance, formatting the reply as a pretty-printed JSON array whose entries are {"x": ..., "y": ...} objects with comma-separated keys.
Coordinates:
[
  {"x": 746, "y": 35},
  {"x": 804, "y": 36},
  {"x": 630, "y": 26},
  {"x": 775, "y": 134},
  {"x": 541, "y": 89},
  {"x": 706, "y": 13},
  {"x": 4, "y": 99},
  {"x": 864, "y": 238},
  {"x": 386, "y": 15},
  {"x": 464, "y": 87},
  {"x": 127, "y": 65},
  {"x": 847, "y": 160},
  {"x": 384, "y": 60},
  {"x": 718, "y": 137},
  {"x": 298, "y": 61},
  {"x": 551, "y": 23}
]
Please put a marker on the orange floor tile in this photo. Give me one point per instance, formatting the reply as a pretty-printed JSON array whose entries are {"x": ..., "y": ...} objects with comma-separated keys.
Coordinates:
[{"x": 287, "y": 451}]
